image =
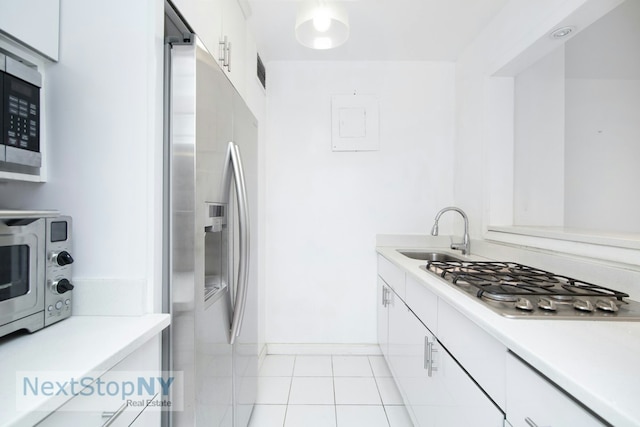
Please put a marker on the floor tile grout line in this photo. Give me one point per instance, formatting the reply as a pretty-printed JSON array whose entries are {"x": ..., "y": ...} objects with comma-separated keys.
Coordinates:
[
  {"x": 335, "y": 400},
  {"x": 375, "y": 379},
  {"x": 335, "y": 405},
  {"x": 286, "y": 408}
]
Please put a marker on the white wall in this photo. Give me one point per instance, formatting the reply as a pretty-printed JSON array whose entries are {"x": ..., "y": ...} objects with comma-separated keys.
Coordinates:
[
  {"x": 325, "y": 208},
  {"x": 104, "y": 124},
  {"x": 255, "y": 97},
  {"x": 603, "y": 130},
  {"x": 539, "y": 143},
  {"x": 484, "y": 101}
]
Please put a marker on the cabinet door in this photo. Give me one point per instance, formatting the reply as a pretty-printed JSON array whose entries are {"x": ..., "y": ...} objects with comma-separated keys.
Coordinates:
[
  {"x": 208, "y": 24},
  {"x": 150, "y": 417},
  {"x": 534, "y": 401},
  {"x": 435, "y": 389},
  {"x": 407, "y": 340},
  {"x": 423, "y": 302},
  {"x": 383, "y": 317},
  {"x": 234, "y": 28},
  {"x": 102, "y": 406},
  {"x": 396, "y": 335},
  {"x": 458, "y": 401},
  {"x": 34, "y": 23},
  {"x": 187, "y": 9},
  {"x": 205, "y": 18},
  {"x": 393, "y": 276},
  {"x": 482, "y": 356}
]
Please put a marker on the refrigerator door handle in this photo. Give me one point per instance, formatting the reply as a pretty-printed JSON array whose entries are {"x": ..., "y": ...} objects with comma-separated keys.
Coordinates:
[{"x": 233, "y": 154}]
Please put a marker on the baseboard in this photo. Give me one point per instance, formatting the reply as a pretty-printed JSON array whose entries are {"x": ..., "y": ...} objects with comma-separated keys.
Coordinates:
[
  {"x": 262, "y": 354},
  {"x": 324, "y": 349}
]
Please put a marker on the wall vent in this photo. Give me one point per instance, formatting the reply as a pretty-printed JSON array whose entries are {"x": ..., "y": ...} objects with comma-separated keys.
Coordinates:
[{"x": 262, "y": 73}]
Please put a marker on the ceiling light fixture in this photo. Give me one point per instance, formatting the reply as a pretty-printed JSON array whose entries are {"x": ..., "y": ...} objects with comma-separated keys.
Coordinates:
[
  {"x": 560, "y": 33},
  {"x": 321, "y": 25}
]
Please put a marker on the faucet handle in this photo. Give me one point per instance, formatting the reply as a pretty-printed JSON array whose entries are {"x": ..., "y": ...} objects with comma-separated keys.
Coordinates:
[{"x": 459, "y": 247}]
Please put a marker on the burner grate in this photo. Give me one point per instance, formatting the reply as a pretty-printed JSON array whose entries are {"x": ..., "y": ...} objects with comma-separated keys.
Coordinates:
[{"x": 506, "y": 281}]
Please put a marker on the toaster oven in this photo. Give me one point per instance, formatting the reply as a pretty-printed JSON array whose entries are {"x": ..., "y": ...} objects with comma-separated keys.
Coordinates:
[{"x": 35, "y": 269}]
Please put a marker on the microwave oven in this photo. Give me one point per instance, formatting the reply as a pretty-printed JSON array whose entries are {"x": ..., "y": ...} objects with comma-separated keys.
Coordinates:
[
  {"x": 19, "y": 116},
  {"x": 35, "y": 269}
]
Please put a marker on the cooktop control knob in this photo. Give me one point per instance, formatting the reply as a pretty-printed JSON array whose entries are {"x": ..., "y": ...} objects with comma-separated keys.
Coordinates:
[
  {"x": 547, "y": 304},
  {"x": 607, "y": 305},
  {"x": 62, "y": 258},
  {"x": 524, "y": 304},
  {"x": 583, "y": 305},
  {"x": 61, "y": 286}
]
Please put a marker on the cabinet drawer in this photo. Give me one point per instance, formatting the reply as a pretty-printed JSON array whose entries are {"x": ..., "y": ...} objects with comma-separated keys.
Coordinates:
[
  {"x": 423, "y": 303},
  {"x": 482, "y": 356},
  {"x": 532, "y": 400},
  {"x": 150, "y": 417},
  {"x": 435, "y": 389},
  {"x": 97, "y": 407},
  {"x": 392, "y": 275}
]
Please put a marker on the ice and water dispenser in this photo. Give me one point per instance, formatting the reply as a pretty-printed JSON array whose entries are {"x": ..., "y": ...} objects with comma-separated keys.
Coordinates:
[{"x": 216, "y": 251}]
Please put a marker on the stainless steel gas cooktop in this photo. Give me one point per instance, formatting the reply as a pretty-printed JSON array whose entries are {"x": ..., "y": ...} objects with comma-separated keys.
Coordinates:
[{"x": 519, "y": 291}]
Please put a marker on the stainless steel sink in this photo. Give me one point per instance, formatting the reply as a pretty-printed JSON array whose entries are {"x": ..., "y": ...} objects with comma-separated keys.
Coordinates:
[{"x": 429, "y": 256}]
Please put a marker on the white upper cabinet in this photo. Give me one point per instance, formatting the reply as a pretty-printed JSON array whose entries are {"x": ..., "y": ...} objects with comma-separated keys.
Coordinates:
[
  {"x": 221, "y": 26},
  {"x": 234, "y": 29},
  {"x": 32, "y": 23}
]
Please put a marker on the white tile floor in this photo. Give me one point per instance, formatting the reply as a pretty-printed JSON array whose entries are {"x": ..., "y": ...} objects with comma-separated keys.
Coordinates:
[{"x": 327, "y": 391}]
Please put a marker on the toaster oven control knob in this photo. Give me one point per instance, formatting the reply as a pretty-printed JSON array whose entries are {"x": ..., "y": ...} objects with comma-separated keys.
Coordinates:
[
  {"x": 62, "y": 258},
  {"x": 61, "y": 286}
]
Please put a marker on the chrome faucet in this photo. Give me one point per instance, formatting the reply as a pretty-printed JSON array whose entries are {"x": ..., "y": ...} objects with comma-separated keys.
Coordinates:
[{"x": 463, "y": 246}]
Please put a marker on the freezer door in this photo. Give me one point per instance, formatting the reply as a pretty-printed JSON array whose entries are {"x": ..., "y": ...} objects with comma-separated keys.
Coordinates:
[
  {"x": 201, "y": 125},
  {"x": 245, "y": 136}
]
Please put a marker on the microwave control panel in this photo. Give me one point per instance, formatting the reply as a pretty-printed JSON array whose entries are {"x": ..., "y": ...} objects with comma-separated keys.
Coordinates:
[{"x": 19, "y": 115}]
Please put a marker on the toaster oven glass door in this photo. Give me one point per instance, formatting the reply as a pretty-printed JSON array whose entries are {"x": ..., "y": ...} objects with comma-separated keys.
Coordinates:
[
  {"x": 14, "y": 271},
  {"x": 19, "y": 276}
]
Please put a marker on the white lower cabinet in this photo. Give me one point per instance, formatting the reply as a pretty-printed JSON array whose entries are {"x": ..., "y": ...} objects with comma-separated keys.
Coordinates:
[
  {"x": 384, "y": 299},
  {"x": 392, "y": 276},
  {"x": 532, "y": 401},
  {"x": 98, "y": 408},
  {"x": 482, "y": 356},
  {"x": 435, "y": 389},
  {"x": 451, "y": 372}
]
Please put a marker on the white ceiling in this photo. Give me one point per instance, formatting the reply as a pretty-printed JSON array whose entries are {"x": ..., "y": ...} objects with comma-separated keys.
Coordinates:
[{"x": 435, "y": 30}]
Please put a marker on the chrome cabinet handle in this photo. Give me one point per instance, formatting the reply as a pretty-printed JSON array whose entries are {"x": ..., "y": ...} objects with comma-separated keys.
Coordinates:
[
  {"x": 430, "y": 365},
  {"x": 112, "y": 416},
  {"x": 428, "y": 356},
  {"x": 243, "y": 229},
  {"x": 385, "y": 296},
  {"x": 222, "y": 51},
  {"x": 530, "y": 422}
]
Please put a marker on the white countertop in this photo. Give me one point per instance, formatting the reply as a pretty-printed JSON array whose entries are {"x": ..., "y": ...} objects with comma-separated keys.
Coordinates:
[
  {"x": 78, "y": 345},
  {"x": 598, "y": 362}
]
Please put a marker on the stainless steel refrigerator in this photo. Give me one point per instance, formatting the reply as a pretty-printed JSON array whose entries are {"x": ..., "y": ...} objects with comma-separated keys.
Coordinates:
[{"x": 210, "y": 258}]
